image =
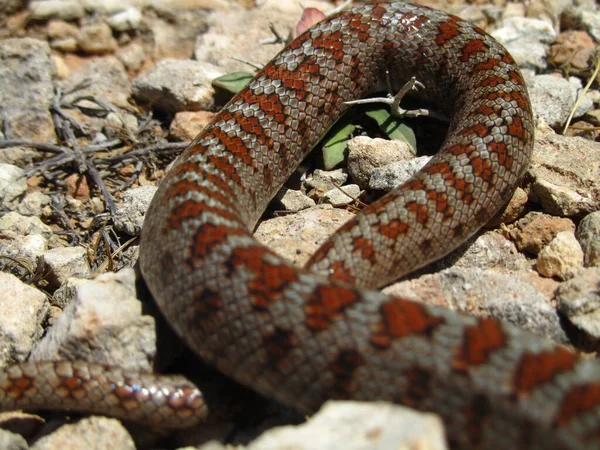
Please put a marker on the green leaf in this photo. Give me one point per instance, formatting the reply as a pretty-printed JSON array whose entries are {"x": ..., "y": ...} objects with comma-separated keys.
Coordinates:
[
  {"x": 335, "y": 144},
  {"x": 393, "y": 127},
  {"x": 233, "y": 82}
]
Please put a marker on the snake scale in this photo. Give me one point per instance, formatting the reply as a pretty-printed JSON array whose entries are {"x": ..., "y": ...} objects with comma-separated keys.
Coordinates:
[{"x": 304, "y": 336}]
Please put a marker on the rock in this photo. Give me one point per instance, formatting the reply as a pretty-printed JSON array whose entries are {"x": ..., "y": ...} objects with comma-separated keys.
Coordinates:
[
  {"x": 132, "y": 56},
  {"x": 33, "y": 204},
  {"x": 536, "y": 230},
  {"x": 489, "y": 250},
  {"x": 488, "y": 294},
  {"x": 561, "y": 258},
  {"x": 553, "y": 98},
  {"x": 186, "y": 125},
  {"x": 341, "y": 196},
  {"x": 107, "y": 81},
  {"x": 12, "y": 441},
  {"x": 297, "y": 236},
  {"x": 96, "y": 39},
  {"x": 229, "y": 37},
  {"x": 107, "y": 7},
  {"x": 103, "y": 324},
  {"x": 588, "y": 235},
  {"x": 176, "y": 85},
  {"x": 584, "y": 18},
  {"x": 366, "y": 154},
  {"x": 130, "y": 215},
  {"x": 579, "y": 300},
  {"x": 392, "y": 175},
  {"x": 359, "y": 426},
  {"x": 62, "y": 9},
  {"x": 23, "y": 311},
  {"x": 26, "y": 89},
  {"x": 66, "y": 262},
  {"x": 88, "y": 434},
  {"x": 565, "y": 175},
  {"x": 24, "y": 226},
  {"x": 13, "y": 184},
  {"x": 120, "y": 123},
  {"x": 527, "y": 40},
  {"x": 24, "y": 249},
  {"x": 573, "y": 52},
  {"x": 8, "y": 7},
  {"x": 293, "y": 200},
  {"x": 126, "y": 20},
  {"x": 322, "y": 181},
  {"x": 62, "y": 35},
  {"x": 67, "y": 292}
]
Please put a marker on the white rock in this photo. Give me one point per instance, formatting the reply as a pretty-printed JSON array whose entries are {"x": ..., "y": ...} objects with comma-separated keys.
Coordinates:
[
  {"x": 174, "y": 85},
  {"x": 130, "y": 216},
  {"x": 341, "y": 196},
  {"x": 103, "y": 324},
  {"x": 13, "y": 184},
  {"x": 23, "y": 311},
  {"x": 67, "y": 262},
  {"x": 359, "y": 426},
  {"x": 561, "y": 258},
  {"x": 588, "y": 235},
  {"x": 366, "y": 154},
  {"x": 23, "y": 225},
  {"x": 128, "y": 19},
  {"x": 88, "y": 433},
  {"x": 63, "y": 9}
]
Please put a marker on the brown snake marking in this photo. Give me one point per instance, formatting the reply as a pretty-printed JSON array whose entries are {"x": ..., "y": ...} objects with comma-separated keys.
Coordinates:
[{"x": 303, "y": 338}]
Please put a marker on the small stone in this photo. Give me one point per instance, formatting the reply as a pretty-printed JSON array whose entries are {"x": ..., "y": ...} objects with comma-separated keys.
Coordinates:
[
  {"x": 66, "y": 262},
  {"x": 177, "y": 85},
  {"x": 89, "y": 433},
  {"x": 102, "y": 323},
  {"x": 126, "y": 20},
  {"x": 565, "y": 175},
  {"x": 132, "y": 56},
  {"x": 130, "y": 216},
  {"x": 358, "y": 426},
  {"x": 579, "y": 300},
  {"x": 527, "y": 40},
  {"x": 553, "y": 98},
  {"x": 561, "y": 258},
  {"x": 186, "y": 125},
  {"x": 503, "y": 296},
  {"x": 392, "y": 175},
  {"x": 12, "y": 441},
  {"x": 26, "y": 89},
  {"x": 24, "y": 226},
  {"x": 366, "y": 154},
  {"x": 23, "y": 311},
  {"x": 294, "y": 200},
  {"x": 13, "y": 184},
  {"x": 536, "y": 230},
  {"x": 341, "y": 196},
  {"x": 59, "y": 29},
  {"x": 588, "y": 235},
  {"x": 297, "y": 236},
  {"x": 105, "y": 79},
  {"x": 323, "y": 181},
  {"x": 62, "y": 9},
  {"x": 33, "y": 204},
  {"x": 96, "y": 38}
]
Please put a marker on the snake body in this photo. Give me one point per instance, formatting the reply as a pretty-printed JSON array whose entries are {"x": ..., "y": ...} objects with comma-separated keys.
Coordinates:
[{"x": 305, "y": 336}]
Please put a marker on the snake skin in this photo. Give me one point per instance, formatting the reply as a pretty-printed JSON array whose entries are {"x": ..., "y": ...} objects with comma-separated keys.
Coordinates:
[{"x": 305, "y": 336}]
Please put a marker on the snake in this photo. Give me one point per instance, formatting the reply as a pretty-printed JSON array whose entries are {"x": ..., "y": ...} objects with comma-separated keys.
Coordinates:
[{"x": 303, "y": 336}]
